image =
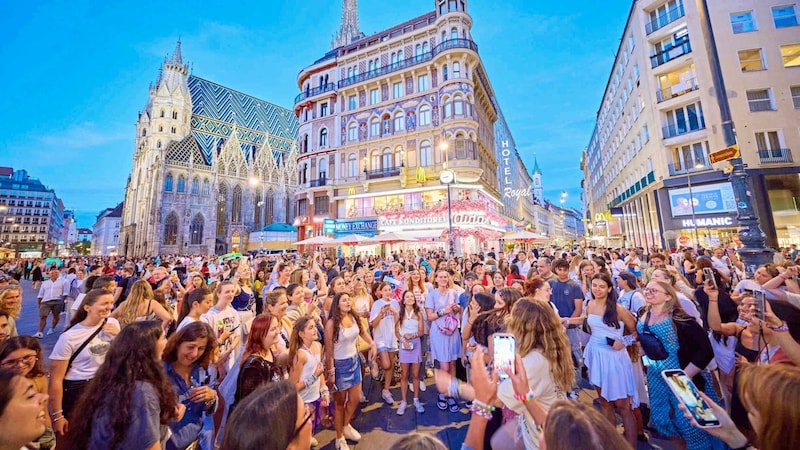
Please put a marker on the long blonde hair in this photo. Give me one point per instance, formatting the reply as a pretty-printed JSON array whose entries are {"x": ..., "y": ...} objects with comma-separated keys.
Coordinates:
[
  {"x": 127, "y": 310},
  {"x": 537, "y": 327},
  {"x": 673, "y": 305},
  {"x": 4, "y": 290}
]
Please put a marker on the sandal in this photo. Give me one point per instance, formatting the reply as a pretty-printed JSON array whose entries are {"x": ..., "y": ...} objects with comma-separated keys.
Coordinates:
[
  {"x": 441, "y": 403},
  {"x": 454, "y": 408}
]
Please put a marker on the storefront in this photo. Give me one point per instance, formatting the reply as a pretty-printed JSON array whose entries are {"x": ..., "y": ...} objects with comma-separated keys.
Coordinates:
[{"x": 780, "y": 215}]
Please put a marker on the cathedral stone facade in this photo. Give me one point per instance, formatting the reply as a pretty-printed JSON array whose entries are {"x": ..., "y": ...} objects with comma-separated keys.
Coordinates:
[{"x": 210, "y": 165}]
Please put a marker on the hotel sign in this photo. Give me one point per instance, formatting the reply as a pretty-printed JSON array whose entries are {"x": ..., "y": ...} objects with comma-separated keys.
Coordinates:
[{"x": 507, "y": 177}]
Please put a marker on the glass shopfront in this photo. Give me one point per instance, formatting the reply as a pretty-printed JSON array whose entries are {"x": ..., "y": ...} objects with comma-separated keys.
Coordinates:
[{"x": 784, "y": 199}]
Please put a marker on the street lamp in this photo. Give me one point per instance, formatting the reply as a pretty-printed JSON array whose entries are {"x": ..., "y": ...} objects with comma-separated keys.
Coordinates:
[
  {"x": 447, "y": 177},
  {"x": 699, "y": 165}
]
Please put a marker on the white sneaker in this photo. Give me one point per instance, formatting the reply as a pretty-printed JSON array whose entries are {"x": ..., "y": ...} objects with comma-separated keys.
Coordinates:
[
  {"x": 364, "y": 398},
  {"x": 422, "y": 386},
  {"x": 418, "y": 406},
  {"x": 314, "y": 442},
  {"x": 387, "y": 397},
  {"x": 51, "y": 331},
  {"x": 402, "y": 409},
  {"x": 351, "y": 433},
  {"x": 341, "y": 444},
  {"x": 38, "y": 335}
]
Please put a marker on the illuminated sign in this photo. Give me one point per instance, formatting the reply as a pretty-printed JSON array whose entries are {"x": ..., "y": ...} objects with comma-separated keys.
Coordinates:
[
  {"x": 708, "y": 222},
  {"x": 704, "y": 199},
  {"x": 507, "y": 176}
]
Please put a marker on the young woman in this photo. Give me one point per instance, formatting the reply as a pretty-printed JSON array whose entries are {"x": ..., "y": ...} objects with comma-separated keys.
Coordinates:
[
  {"x": 258, "y": 285},
  {"x": 587, "y": 270},
  {"x": 187, "y": 357},
  {"x": 22, "y": 411},
  {"x": 277, "y": 303},
  {"x": 383, "y": 318},
  {"x": 410, "y": 326},
  {"x": 194, "y": 305},
  {"x": 441, "y": 307},
  {"x": 342, "y": 365},
  {"x": 244, "y": 302},
  {"x": 11, "y": 302},
  {"x": 141, "y": 305},
  {"x": 307, "y": 370},
  {"x": 609, "y": 367},
  {"x": 514, "y": 275},
  {"x": 498, "y": 282},
  {"x": 362, "y": 302},
  {"x": 79, "y": 353},
  {"x": 130, "y": 401},
  {"x": 259, "y": 364},
  {"x": 225, "y": 322},
  {"x": 23, "y": 355},
  {"x": 280, "y": 406}
]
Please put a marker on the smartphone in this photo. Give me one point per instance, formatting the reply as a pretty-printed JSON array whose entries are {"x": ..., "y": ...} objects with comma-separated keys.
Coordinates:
[
  {"x": 759, "y": 300},
  {"x": 708, "y": 274},
  {"x": 505, "y": 350},
  {"x": 683, "y": 388}
]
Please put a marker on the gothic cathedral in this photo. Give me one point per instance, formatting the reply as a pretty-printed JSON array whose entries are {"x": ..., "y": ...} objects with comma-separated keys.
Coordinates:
[{"x": 210, "y": 165}]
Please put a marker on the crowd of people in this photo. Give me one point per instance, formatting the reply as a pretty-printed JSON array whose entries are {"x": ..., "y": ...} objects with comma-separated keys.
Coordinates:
[{"x": 194, "y": 352}]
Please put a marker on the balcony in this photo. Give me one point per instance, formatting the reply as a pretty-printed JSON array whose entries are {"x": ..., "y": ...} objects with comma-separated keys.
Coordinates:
[
  {"x": 318, "y": 182},
  {"x": 382, "y": 173},
  {"x": 671, "y": 92},
  {"x": 668, "y": 54},
  {"x": 671, "y": 131},
  {"x": 775, "y": 156},
  {"x": 409, "y": 62},
  {"x": 312, "y": 92},
  {"x": 665, "y": 19},
  {"x": 684, "y": 169}
]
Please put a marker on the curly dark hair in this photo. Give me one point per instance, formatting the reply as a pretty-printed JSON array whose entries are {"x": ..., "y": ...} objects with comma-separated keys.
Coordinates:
[
  {"x": 132, "y": 357},
  {"x": 336, "y": 316}
]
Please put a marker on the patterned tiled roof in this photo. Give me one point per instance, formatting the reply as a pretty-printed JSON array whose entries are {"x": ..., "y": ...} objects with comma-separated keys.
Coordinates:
[{"x": 216, "y": 109}]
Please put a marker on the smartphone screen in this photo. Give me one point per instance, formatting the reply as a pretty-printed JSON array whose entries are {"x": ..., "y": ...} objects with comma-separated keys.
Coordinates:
[
  {"x": 683, "y": 388},
  {"x": 708, "y": 274},
  {"x": 759, "y": 300},
  {"x": 505, "y": 348}
]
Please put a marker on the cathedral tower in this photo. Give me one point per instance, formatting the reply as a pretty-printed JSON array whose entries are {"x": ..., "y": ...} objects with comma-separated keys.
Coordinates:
[
  {"x": 536, "y": 175},
  {"x": 348, "y": 30}
]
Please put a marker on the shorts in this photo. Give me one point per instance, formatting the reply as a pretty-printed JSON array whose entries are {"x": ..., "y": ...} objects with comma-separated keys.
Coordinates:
[
  {"x": 348, "y": 373},
  {"x": 387, "y": 349},
  {"x": 51, "y": 306}
]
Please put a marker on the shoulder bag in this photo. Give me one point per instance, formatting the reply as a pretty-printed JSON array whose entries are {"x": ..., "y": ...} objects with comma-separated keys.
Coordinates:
[{"x": 651, "y": 344}]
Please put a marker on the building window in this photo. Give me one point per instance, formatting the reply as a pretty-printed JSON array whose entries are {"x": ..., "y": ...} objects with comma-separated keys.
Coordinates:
[
  {"x": 174, "y": 114},
  {"x": 791, "y": 55},
  {"x": 760, "y": 100},
  {"x": 444, "y": 72},
  {"x": 684, "y": 120},
  {"x": 195, "y": 186},
  {"x": 456, "y": 70},
  {"x": 448, "y": 108},
  {"x": 236, "y": 204},
  {"x": 158, "y": 144},
  {"x": 397, "y": 90},
  {"x": 743, "y": 22},
  {"x": 458, "y": 106},
  {"x": 162, "y": 113},
  {"x": 768, "y": 140},
  {"x": 352, "y": 102},
  {"x": 751, "y": 60},
  {"x": 386, "y": 159},
  {"x": 795, "y": 96},
  {"x": 174, "y": 130},
  {"x": 425, "y": 154},
  {"x": 322, "y": 169},
  {"x": 181, "y": 184},
  {"x": 399, "y": 121},
  {"x": 393, "y": 59},
  {"x": 422, "y": 83},
  {"x": 196, "y": 229},
  {"x": 425, "y": 47},
  {"x": 160, "y": 128},
  {"x": 323, "y": 137},
  {"x": 784, "y": 16},
  {"x": 454, "y": 33},
  {"x": 206, "y": 187},
  {"x": 424, "y": 115},
  {"x": 321, "y": 204},
  {"x": 352, "y": 132},
  {"x": 168, "y": 183},
  {"x": 302, "y": 207},
  {"x": 373, "y": 97},
  {"x": 690, "y": 156},
  {"x": 171, "y": 229},
  {"x": 352, "y": 165},
  {"x": 323, "y": 109},
  {"x": 144, "y": 132},
  {"x": 374, "y": 127}
]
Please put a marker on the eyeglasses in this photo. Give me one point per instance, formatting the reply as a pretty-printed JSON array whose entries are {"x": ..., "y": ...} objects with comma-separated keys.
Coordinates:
[
  {"x": 652, "y": 291},
  {"x": 24, "y": 361},
  {"x": 297, "y": 430}
]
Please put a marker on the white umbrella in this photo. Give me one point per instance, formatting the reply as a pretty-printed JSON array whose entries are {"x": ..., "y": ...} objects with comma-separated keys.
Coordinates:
[
  {"x": 524, "y": 236},
  {"x": 316, "y": 240},
  {"x": 392, "y": 238},
  {"x": 348, "y": 240}
]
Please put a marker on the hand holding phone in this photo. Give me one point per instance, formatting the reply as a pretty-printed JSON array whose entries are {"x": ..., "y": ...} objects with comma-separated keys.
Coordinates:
[
  {"x": 687, "y": 393},
  {"x": 759, "y": 303},
  {"x": 505, "y": 350},
  {"x": 708, "y": 274}
]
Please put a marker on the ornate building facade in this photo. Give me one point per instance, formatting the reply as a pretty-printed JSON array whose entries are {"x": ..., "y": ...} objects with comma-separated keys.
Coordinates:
[{"x": 210, "y": 165}]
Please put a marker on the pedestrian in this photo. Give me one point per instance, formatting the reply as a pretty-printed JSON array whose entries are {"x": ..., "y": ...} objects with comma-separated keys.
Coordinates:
[
  {"x": 260, "y": 364},
  {"x": 383, "y": 318},
  {"x": 307, "y": 370},
  {"x": 141, "y": 305},
  {"x": 52, "y": 295},
  {"x": 409, "y": 328},
  {"x": 130, "y": 401},
  {"x": 196, "y": 303},
  {"x": 441, "y": 307}
]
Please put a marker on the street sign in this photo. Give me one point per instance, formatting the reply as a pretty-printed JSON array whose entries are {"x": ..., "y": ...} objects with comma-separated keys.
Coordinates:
[{"x": 724, "y": 154}]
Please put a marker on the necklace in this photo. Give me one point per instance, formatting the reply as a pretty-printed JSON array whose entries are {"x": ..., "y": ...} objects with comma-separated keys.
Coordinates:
[{"x": 409, "y": 316}]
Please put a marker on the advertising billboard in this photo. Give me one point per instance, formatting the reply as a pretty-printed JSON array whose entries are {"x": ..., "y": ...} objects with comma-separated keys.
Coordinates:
[{"x": 707, "y": 199}]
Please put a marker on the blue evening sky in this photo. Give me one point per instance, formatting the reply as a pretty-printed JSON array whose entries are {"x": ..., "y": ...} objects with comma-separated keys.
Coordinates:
[{"x": 75, "y": 74}]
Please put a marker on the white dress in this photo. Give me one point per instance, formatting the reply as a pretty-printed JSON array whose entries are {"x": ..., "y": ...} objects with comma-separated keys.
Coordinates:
[{"x": 609, "y": 369}]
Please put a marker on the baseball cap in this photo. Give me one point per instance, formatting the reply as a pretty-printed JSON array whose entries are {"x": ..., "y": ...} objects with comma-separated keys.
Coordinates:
[{"x": 471, "y": 275}]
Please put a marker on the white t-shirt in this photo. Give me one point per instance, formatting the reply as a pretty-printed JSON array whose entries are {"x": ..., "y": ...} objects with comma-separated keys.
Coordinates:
[
  {"x": 90, "y": 358},
  {"x": 78, "y": 301},
  {"x": 186, "y": 321},
  {"x": 383, "y": 334},
  {"x": 222, "y": 321}
]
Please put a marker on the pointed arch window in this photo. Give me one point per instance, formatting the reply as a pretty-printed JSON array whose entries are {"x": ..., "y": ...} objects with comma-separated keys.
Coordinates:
[
  {"x": 258, "y": 203},
  {"x": 236, "y": 204},
  {"x": 171, "y": 229},
  {"x": 174, "y": 114},
  {"x": 195, "y": 186},
  {"x": 196, "y": 229},
  {"x": 269, "y": 207},
  {"x": 206, "y": 187},
  {"x": 181, "y": 184},
  {"x": 168, "y": 183},
  {"x": 222, "y": 210}
]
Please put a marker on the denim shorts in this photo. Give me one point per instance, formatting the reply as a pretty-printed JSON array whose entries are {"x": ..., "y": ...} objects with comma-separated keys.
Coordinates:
[{"x": 348, "y": 373}]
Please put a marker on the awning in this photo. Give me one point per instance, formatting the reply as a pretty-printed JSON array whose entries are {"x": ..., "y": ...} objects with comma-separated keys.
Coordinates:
[{"x": 423, "y": 234}]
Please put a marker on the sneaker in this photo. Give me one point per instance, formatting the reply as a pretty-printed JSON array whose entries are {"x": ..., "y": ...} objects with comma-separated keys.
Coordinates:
[
  {"x": 51, "y": 331},
  {"x": 38, "y": 335},
  {"x": 422, "y": 387},
  {"x": 351, "y": 433},
  {"x": 418, "y": 406},
  {"x": 402, "y": 409},
  {"x": 441, "y": 403},
  {"x": 573, "y": 395},
  {"x": 453, "y": 405},
  {"x": 341, "y": 444},
  {"x": 364, "y": 398},
  {"x": 314, "y": 442},
  {"x": 387, "y": 397},
  {"x": 468, "y": 404}
]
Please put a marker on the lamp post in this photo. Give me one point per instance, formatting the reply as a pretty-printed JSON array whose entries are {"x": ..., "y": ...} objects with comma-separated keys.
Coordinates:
[
  {"x": 447, "y": 177},
  {"x": 754, "y": 251}
]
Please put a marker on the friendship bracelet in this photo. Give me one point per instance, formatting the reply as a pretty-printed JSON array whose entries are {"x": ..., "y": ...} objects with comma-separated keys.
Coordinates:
[
  {"x": 60, "y": 411},
  {"x": 58, "y": 418},
  {"x": 482, "y": 409},
  {"x": 480, "y": 404},
  {"x": 782, "y": 328},
  {"x": 527, "y": 398}
]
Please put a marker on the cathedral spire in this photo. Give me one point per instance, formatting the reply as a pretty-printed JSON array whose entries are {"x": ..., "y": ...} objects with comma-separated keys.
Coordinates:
[
  {"x": 536, "y": 168},
  {"x": 348, "y": 30},
  {"x": 177, "y": 58}
]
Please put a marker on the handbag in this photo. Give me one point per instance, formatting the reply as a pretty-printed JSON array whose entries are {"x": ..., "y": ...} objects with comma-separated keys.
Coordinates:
[
  {"x": 72, "y": 389},
  {"x": 361, "y": 344},
  {"x": 448, "y": 325},
  {"x": 651, "y": 344}
]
